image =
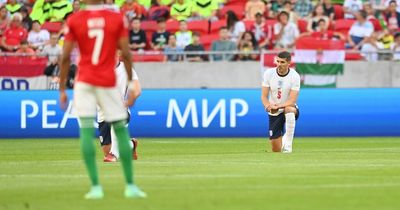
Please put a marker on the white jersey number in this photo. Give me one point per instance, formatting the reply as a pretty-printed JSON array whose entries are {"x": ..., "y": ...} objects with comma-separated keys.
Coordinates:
[{"x": 98, "y": 34}]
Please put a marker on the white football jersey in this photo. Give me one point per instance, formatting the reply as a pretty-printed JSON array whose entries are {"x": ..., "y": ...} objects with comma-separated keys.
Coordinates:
[
  {"x": 280, "y": 86},
  {"x": 122, "y": 84}
]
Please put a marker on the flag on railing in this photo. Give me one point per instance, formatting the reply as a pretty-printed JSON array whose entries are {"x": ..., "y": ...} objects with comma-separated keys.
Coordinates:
[{"x": 319, "y": 61}]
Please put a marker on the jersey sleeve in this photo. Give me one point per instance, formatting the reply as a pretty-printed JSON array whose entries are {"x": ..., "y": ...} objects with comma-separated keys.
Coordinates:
[
  {"x": 266, "y": 78},
  {"x": 68, "y": 31},
  {"x": 296, "y": 83}
]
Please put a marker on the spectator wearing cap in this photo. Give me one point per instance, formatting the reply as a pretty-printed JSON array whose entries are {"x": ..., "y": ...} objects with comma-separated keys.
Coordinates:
[
  {"x": 393, "y": 17},
  {"x": 351, "y": 7},
  {"x": 285, "y": 32},
  {"x": 360, "y": 30},
  {"x": 303, "y": 8},
  {"x": 14, "y": 34},
  {"x": 252, "y": 8}
]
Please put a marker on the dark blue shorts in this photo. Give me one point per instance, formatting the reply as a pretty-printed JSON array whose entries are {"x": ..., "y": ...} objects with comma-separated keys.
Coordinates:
[
  {"x": 105, "y": 131},
  {"x": 277, "y": 124}
]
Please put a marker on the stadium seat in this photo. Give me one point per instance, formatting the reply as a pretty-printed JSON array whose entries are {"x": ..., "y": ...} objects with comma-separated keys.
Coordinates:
[
  {"x": 339, "y": 13},
  {"x": 52, "y": 27},
  {"x": 354, "y": 56},
  {"x": 172, "y": 26},
  {"x": 156, "y": 57},
  {"x": 149, "y": 25},
  {"x": 241, "y": 3},
  {"x": 200, "y": 26},
  {"x": 248, "y": 24},
  {"x": 237, "y": 9},
  {"x": 343, "y": 25},
  {"x": 206, "y": 40},
  {"x": 302, "y": 24},
  {"x": 216, "y": 25}
]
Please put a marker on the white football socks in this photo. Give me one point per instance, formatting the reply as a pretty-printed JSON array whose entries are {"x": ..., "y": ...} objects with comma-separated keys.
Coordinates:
[
  {"x": 289, "y": 127},
  {"x": 114, "y": 144}
]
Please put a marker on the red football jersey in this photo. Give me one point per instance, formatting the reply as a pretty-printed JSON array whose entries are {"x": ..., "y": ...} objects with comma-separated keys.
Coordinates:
[{"x": 96, "y": 30}]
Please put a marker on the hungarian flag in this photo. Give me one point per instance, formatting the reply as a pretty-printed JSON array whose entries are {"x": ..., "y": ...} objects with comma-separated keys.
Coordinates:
[{"x": 319, "y": 61}]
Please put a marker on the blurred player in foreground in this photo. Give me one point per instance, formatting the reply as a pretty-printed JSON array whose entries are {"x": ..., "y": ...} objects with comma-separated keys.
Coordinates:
[
  {"x": 99, "y": 32},
  {"x": 280, "y": 89},
  {"x": 108, "y": 139}
]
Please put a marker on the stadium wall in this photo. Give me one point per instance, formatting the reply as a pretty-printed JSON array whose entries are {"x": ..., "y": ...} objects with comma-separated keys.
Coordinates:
[
  {"x": 248, "y": 75},
  {"x": 212, "y": 113}
]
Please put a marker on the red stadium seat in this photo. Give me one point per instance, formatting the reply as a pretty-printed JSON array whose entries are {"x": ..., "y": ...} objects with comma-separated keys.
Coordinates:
[
  {"x": 52, "y": 27},
  {"x": 216, "y": 25},
  {"x": 302, "y": 24},
  {"x": 172, "y": 26},
  {"x": 149, "y": 25},
  {"x": 157, "y": 57},
  {"x": 206, "y": 40},
  {"x": 343, "y": 25},
  {"x": 339, "y": 13},
  {"x": 200, "y": 26},
  {"x": 241, "y": 3},
  {"x": 237, "y": 9},
  {"x": 353, "y": 56}
]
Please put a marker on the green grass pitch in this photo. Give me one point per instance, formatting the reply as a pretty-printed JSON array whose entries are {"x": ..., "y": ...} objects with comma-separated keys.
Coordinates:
[{"x": 208, "y": 174}]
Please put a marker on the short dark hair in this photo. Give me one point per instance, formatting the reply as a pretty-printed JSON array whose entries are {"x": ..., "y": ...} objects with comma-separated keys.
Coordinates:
[
  {"x": 283, "y": 13},
  {"x": 285, "y": 55},
  {"x": 393, "y": 1},
  {"x": 196, "y": 34},
  {"x": 161, "y": 20},
  {"x": 321, "y": 20},
  {"x": 363, "y": 14}
]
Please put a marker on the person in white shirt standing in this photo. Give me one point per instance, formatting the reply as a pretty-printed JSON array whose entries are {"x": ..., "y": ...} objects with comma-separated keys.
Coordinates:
[
  {"x": 280, "y": 89},
  {"x": 108, "y": 138}
]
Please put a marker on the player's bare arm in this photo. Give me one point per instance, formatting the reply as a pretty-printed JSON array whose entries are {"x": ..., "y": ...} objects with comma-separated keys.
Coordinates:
[
  {"x": 291, "y": 102},
  {"x": 264, "y": 98},
  {"x": 64, "y": 68}
]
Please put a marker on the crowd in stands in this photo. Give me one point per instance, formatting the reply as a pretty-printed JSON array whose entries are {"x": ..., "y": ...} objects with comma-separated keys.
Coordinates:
[{"x": 245, "y": 26}]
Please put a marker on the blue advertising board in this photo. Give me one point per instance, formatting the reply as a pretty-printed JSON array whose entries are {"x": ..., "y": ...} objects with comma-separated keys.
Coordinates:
[{"x": 211, "y": 113}]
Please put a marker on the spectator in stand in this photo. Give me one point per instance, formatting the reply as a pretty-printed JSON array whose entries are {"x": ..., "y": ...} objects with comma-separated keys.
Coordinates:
[
  {"x": 317, "y": 15},
  {"x": 183, "y": 36},
  {"x": 276, "y": 7},
  {"x": 351, "y": 7},
  {"x": 247, "y": 44},
  {"x": 285, "y": 32},
  {"x": 160, "y": 37},
  {"x": 393, "y": 17},
  {"x": 181, "y": 10},
  {"x": 26, "y": 20},
  {"x": 53, "y": 53},
  {"x": 172, "y": 51},
  {"x": 14, "y": 34},
  {"x": 262, "y": 32},
  {"x": 378, "y": 5},
  {"x": 252, "y": 8},
  {"x": 59, "y": 10},
  {"x": 131, "y": 9},
  {"x": 396, "y": 47},
  {"x": 370, "y": 47},
  {"x": 329, "y": 10},
  {"x": 13, "y": 6},
  {"x": 41, "y": 10},
  {"x": 322, "y": 32},
  {"x": 38, "y": 37},
  {"x": 303, "y": 8},
  {"x": 76, "y": 6},
  {"x": 167, "y": 3},
  {"x": 25, "y": 50},
  {"x": 370, "y": 11},
  {"x": 137, "y": 36},
  {"x": 360, "y": 30},
  {"x": 195, "y": 46},
  {"x": 386, "y": 39},
  {"x": 3, "y": 20},
  {"x": 204, "y": 9},
  {"x": 223, "y": 44},
  {"x": 235, "y": 26},
  {"x": 288, "y": 7},
  {"x": 145, "y": 3}
]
